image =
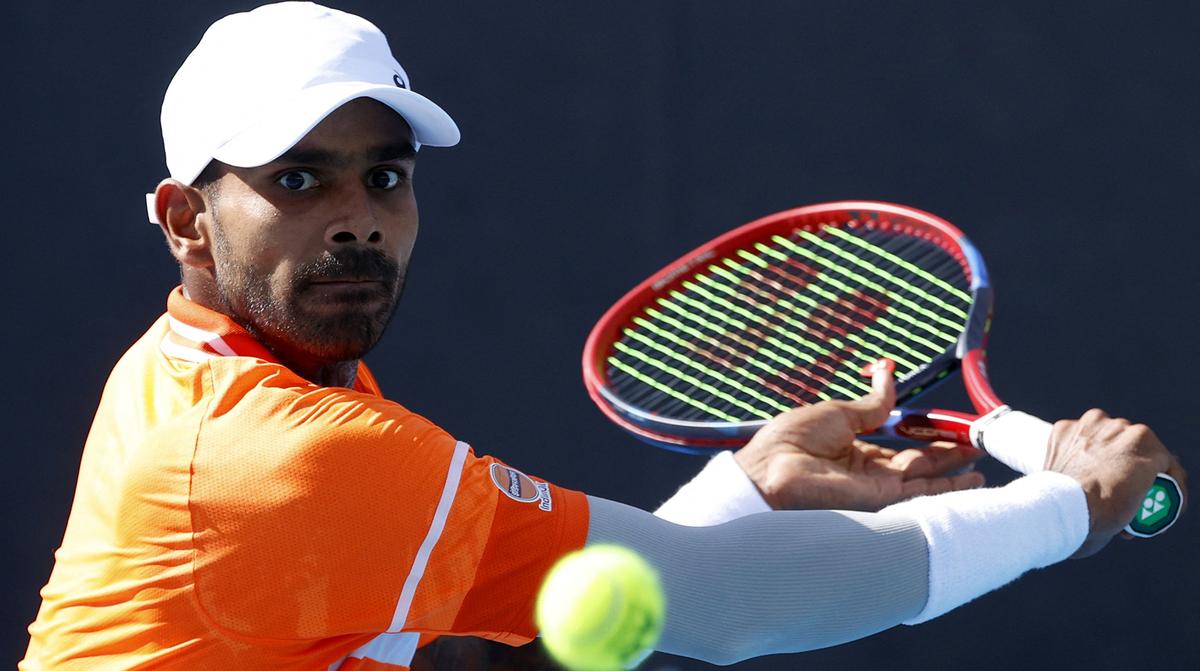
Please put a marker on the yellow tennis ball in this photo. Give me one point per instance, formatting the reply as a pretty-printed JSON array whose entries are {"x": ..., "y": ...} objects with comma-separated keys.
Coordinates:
[{"x": 600, "y": 609}]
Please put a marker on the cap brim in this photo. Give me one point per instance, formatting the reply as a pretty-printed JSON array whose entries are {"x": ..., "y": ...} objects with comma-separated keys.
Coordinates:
[{"x": 281, "y": 128}]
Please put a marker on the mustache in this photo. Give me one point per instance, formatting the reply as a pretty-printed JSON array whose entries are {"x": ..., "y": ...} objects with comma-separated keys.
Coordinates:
[{"x": 350, "y": 264}]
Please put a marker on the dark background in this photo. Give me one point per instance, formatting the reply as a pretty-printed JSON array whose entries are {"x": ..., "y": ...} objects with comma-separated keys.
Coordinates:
[{"x": 602, "y": 140}]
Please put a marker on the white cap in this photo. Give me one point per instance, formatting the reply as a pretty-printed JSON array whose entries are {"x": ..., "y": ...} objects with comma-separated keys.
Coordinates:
[{"x": 259, "y": 81}]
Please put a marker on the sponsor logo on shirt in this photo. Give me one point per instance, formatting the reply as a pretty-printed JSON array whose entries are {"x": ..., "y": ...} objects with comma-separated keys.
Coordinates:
[
  {"x": 544, "y": 500},
  {"x": 520, "y": 487}
]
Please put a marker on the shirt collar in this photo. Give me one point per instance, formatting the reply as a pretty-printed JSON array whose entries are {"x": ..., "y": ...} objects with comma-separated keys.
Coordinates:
[{"x": 196, "y": 333}]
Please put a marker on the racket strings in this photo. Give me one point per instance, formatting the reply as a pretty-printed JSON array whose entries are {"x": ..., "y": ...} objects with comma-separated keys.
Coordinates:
[
  {"x": 862, "y": 304},
  {"x": 690, "y": 380},
  {"x": 772, "y": 363},
  {"x": 907, "y": 294},
  {"x": 707, "y": 307},
  {"x": 934, "y": 261},
  {"x": 790, "y": 321}
]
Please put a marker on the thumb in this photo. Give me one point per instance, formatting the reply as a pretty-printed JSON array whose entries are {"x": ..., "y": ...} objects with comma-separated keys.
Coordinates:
[{"x": 871, "y": 411}]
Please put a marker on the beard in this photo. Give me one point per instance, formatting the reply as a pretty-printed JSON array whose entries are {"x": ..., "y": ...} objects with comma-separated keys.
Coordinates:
[{"x": 350, "y": 323}]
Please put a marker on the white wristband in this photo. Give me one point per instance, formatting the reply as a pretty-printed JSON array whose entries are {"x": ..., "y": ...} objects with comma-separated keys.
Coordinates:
[
  {"x": 981, "y": 539},
  {"x": 720, "y": 492}
]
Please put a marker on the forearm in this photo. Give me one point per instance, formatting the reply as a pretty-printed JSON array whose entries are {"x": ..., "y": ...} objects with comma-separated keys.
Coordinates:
[
  {"x": 777, "y": 582},
  {"x": 792, "y": 581},
  {"x": 982, "y": 539},
  {"x": 720, "y": 492}
]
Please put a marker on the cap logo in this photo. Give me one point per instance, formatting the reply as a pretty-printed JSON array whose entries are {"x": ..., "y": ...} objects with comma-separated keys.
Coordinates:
[{"x": 399, "y": 82}]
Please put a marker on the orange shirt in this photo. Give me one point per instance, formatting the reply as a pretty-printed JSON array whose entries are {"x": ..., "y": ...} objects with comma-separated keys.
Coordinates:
[{"x": 232, "y": 515}]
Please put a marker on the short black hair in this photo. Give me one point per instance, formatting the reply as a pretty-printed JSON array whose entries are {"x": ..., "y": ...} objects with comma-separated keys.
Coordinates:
[{"x": 208, "y": 177}]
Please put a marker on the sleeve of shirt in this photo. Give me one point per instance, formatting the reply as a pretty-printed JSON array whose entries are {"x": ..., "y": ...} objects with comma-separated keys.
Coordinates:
[{"x": 336, "y": 513}]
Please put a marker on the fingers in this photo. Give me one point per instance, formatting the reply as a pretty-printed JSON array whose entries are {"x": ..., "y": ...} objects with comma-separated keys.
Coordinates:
[
  {"x": 871, "y": 451},
  {"x": 935, "y": 460},
  {"x": 1115, "y": 461},
  {"x": 933, "y": 486},
  {"x": 871, "y": 411}
]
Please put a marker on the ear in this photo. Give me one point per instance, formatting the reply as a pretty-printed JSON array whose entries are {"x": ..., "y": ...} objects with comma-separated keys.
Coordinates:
[{"x": 185, "y": 222}]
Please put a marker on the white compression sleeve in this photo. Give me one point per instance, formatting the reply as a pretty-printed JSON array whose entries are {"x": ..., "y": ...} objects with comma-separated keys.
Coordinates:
[
  {"x": 720, "y": 492},
  {"x": 982, "y": 539}
]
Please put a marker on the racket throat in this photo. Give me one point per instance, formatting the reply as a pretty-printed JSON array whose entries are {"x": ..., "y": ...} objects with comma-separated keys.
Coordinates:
[{"x": 927, "y": 425}]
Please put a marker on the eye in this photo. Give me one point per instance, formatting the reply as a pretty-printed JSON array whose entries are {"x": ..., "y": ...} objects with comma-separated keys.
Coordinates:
[
  {"x": 385, "y": 178},
  {"x": 297, "y": 180}
]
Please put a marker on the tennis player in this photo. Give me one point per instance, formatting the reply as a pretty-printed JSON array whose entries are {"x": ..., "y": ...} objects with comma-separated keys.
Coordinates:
[{"x": 247, "y": 498}]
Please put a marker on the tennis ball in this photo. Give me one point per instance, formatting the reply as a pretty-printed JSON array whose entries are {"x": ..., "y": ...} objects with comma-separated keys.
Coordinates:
[{"x": 600, "y": 609}]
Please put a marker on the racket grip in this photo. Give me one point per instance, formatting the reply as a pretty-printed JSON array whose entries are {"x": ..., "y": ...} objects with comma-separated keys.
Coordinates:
[
  {"x": 1014, "y": 438},
  {"x": 1159, "y": 510},
  {"x": 1019, "y": 441}
]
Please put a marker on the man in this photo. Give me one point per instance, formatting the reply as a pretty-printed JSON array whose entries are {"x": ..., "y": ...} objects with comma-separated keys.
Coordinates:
[{"x": 247, "y": 499}]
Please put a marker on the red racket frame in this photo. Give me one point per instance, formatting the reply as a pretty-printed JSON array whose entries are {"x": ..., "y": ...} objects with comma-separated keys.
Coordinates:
[{"x": 967, "y": 354}]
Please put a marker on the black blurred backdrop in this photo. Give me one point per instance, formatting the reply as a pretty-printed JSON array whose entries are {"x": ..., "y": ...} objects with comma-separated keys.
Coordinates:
[{"x": 601, "y": 140}]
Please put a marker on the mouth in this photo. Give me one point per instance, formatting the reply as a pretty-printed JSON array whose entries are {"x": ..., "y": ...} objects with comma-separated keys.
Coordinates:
[
  {"x": 348, "y": 291},
  {"x": 349, "y": 286},
  {"x": 347, "y": 281}
]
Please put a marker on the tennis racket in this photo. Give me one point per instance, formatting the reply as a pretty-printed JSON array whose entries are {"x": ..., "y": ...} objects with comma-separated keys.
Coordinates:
[{"x": 788, "y": 310}]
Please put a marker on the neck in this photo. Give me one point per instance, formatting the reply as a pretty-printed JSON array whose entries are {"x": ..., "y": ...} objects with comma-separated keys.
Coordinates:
[
  {"x": 328, "y": 374},
  {"x": 321, "y": 372}
]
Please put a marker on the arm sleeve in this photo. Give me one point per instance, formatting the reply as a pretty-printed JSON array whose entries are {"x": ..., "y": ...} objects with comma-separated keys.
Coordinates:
[
  {"x": 336, "y": 514},
  {"x": 774, "y": 582},
  {"x": 980, "y": 539},
  {"x": 720, "y": 492},
  {"x": 791, "y": 581}
]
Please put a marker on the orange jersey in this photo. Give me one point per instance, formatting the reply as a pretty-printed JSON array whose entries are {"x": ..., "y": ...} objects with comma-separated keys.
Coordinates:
[{"x": 232, "y": 515}]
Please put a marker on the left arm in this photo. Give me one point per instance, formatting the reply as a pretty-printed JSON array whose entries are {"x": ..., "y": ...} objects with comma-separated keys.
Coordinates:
[{"x": 809, "y": 459}]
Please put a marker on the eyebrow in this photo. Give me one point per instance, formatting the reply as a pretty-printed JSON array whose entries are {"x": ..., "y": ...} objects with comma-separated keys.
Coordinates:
[{"x": 395, "y": 151}]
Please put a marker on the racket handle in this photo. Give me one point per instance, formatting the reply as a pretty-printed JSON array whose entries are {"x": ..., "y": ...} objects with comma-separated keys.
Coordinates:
[
  {"x": 1019, "y": 441},
  {"x": 1015, "y": 439},
  {"x": 1159, "y": 509}
]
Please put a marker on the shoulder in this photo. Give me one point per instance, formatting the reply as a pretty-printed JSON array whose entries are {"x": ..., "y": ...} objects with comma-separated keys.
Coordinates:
[
  {"x": 270, "y": 438},
  {"x": 308, "y": 499},
  {"x": 267, "y": 401}
]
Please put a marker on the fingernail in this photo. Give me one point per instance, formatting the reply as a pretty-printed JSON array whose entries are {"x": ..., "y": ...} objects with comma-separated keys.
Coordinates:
[{"x": 879, "y": 364}]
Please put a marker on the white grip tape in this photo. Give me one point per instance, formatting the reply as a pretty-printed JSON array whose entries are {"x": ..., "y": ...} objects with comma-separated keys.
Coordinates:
[{"x": 1016, "y": 439}]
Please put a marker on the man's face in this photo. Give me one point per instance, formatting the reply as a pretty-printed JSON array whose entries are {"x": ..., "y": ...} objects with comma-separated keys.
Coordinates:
[{"x": 310, "y": 250}]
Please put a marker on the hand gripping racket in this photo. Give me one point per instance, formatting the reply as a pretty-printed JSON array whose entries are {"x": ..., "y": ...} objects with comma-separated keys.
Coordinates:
[{"x": 787, "y": 310}]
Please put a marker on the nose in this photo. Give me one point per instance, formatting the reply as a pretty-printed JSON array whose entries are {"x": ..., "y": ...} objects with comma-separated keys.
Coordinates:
[
  {"x": 346, "y": 236},
  {"x": 357, "y": 221}
]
